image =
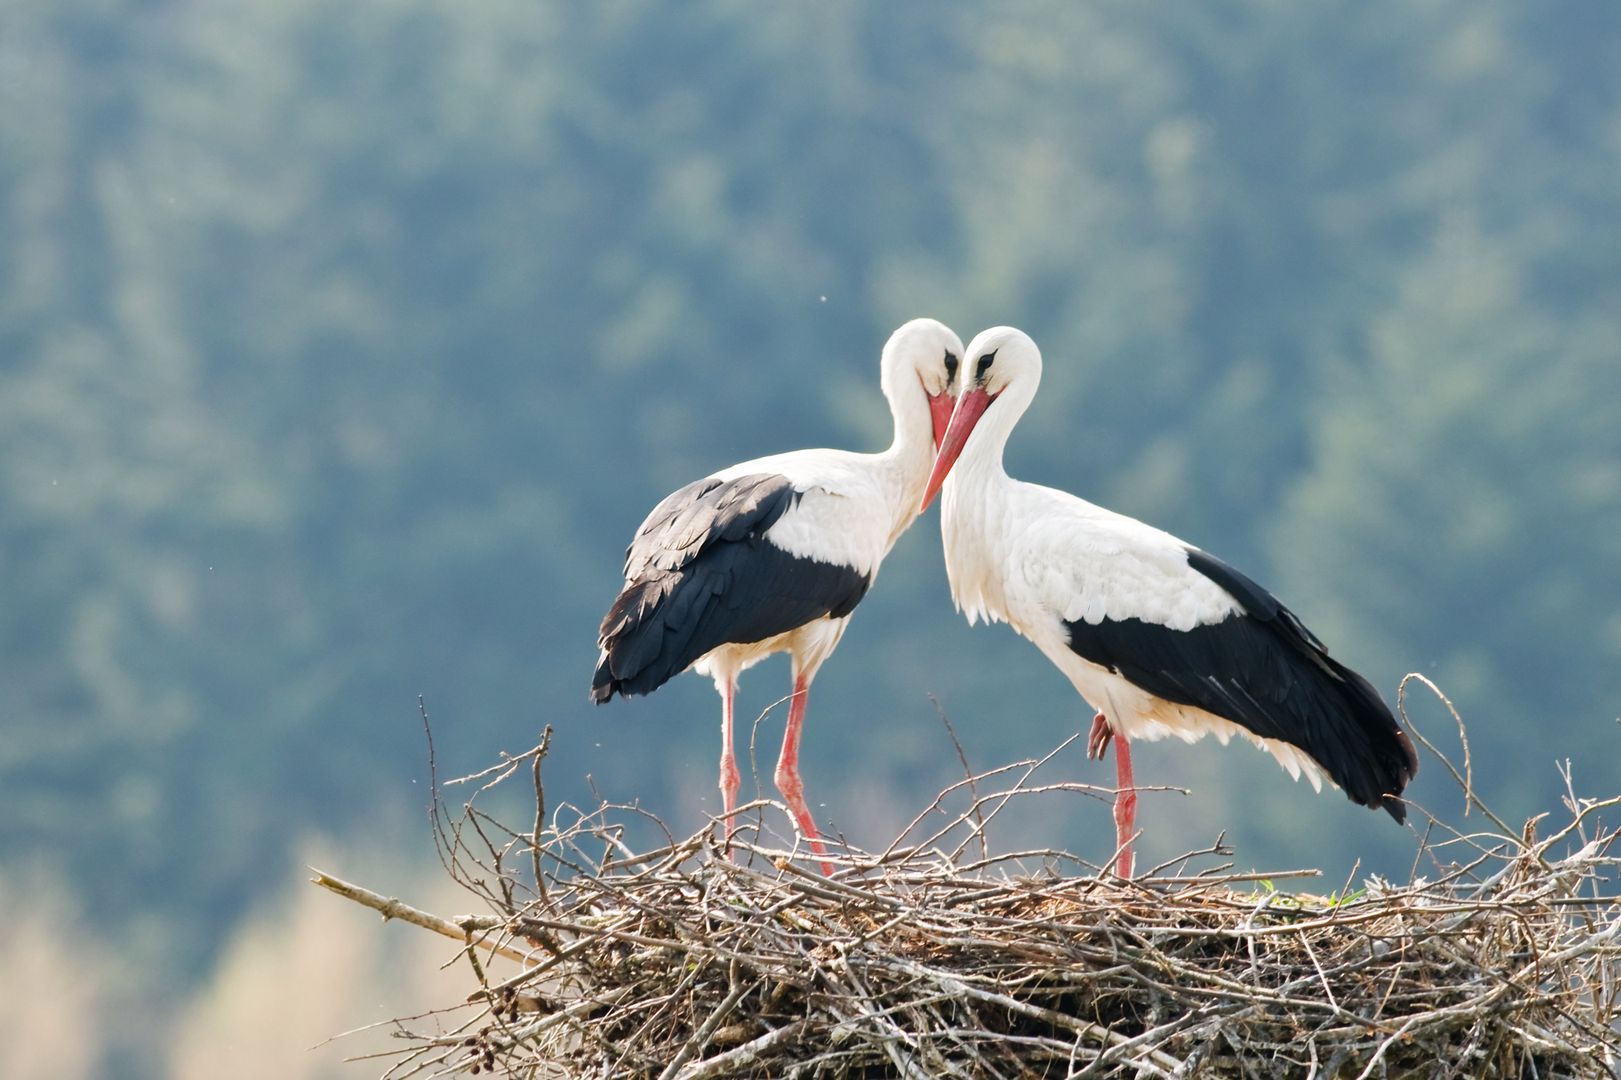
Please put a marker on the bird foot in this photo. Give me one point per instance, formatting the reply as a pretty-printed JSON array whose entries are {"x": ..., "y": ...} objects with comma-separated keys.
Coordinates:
[{"x": 1097, "y": 742}]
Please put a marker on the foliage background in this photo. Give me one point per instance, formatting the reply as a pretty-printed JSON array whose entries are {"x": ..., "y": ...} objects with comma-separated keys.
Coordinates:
[{"x": 342, "y": 347}]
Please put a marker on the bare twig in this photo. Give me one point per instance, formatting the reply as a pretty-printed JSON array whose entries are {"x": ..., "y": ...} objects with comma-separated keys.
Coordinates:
[
  {"x": 924, "y": 961},
  {"x": 391, "y": 908},
  {"x": 540, "y": 813}
]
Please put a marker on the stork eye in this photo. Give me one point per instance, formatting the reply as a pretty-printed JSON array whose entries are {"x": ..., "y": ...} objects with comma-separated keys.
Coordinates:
[
  {"x": 951, "y": 364},
  {"x": 984, "y": 364}
]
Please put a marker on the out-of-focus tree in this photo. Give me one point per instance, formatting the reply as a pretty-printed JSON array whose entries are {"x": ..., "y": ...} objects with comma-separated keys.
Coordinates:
[
  {"x": 1472, "y": 475},
  {"x": 305, "y": 962},
  {"x": 58, "y": 981}
]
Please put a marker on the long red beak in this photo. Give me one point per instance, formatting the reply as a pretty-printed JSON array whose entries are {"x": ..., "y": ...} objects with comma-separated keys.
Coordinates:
[
  {"x": 970, "y": 407},
  {"x": 940, "y": 406}
]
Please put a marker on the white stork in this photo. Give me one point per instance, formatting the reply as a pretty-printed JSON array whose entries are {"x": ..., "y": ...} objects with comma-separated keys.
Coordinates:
[
  {"x": 1159, "y": 637},
  {"x": 772, "y": 555}
]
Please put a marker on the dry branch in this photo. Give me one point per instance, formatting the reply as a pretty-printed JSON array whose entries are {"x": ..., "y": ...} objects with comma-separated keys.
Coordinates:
[
  {"x": 923, "y": 962},
  {"x": 466, "y": 929}
]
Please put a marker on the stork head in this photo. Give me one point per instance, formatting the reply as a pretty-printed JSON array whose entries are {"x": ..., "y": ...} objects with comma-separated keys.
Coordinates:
[
  {"x": 998, "y": 360},
  {"x": 928, "y": 352}
]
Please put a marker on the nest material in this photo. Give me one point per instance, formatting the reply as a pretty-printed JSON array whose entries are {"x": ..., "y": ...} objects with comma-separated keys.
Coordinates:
[{"x": 931, "y": 962}]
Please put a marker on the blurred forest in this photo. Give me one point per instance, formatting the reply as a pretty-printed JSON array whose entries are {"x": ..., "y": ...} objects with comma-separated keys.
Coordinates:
[{"x": 343, "y": 346}]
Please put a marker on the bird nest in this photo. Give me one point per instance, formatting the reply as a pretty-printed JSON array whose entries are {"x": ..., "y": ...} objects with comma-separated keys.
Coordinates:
[{"x": 939, "y": 958}]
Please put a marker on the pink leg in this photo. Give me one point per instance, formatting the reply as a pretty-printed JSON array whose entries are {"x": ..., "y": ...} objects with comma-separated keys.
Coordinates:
[
  {"x": 1125, "y": 806},
  {"x": 729, "y": 779},
  {"x": 788, "y": 781}
]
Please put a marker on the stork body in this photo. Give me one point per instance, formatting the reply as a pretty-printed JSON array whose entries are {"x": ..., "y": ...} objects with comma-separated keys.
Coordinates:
[
  {"x": 1159, "y": 637},
  {"x": 773, "y": 555}
]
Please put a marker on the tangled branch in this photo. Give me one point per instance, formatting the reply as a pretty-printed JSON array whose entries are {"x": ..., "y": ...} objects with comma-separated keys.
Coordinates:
[{"x": 938, "y": 958}]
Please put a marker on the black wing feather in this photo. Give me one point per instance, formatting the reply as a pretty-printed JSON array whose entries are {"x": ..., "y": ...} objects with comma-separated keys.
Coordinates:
[
  {"x": 701, "y": 573},
  {"x": 1261, "y": 668}
]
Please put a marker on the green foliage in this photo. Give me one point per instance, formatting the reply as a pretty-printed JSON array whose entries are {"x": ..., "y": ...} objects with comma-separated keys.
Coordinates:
[
  {"x": 345, "y": 345},
  {"x": 1510, "y": 526},
  {"x": 1276, "y": 900}
]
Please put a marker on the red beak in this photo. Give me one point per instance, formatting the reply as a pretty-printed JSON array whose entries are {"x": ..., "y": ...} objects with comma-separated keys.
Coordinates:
[
  {"x": 940, "y": 406},
  {"x": 970, "y": 407}
]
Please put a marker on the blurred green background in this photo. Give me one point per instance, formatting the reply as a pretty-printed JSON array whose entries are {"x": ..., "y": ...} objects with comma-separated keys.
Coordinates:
[{"x": 343, "y": 346}]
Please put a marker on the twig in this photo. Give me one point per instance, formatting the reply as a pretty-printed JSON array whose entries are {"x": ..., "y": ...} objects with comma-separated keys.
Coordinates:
[
  {"x": 391, "y": 908},
  {"x": 738, "y": 1058},
  {"x": 968, "y": 775},
  {"x": 540, "y": 813},
  {"x": 947, "y": 957}
]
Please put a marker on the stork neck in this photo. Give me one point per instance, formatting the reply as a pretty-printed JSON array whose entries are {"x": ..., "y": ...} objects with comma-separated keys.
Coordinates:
[
  {"x": 906, "y": 463},
  {"x": 981, "y": 460},
  {"x": 974, "y": 523},
  {"x": 978, "y": 479}
]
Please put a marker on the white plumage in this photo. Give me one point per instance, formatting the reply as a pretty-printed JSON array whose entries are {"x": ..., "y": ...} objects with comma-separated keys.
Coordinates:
[
  {"x": 773, "y": 554},
  {"x": 1160, "y": 638}
]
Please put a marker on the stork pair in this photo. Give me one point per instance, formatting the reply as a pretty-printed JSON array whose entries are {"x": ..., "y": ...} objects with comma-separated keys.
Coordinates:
[{"x": 1161, "y": 638}]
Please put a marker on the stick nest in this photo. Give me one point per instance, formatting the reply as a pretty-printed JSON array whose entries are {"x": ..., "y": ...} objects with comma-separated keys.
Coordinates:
[{"x": 940, "y": 959}]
